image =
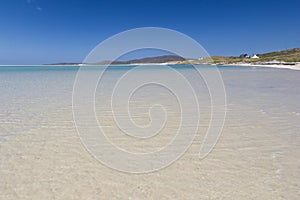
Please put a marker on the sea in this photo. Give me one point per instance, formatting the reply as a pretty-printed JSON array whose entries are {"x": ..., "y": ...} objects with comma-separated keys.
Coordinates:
[{"x": 256, "y": 154}]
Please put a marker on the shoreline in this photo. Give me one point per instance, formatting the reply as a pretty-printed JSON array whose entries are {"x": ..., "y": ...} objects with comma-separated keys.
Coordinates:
[{"x": 278, "y": 66}]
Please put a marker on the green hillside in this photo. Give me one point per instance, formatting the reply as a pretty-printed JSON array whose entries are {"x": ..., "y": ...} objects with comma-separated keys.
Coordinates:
[{"x": 291, "y": 55}]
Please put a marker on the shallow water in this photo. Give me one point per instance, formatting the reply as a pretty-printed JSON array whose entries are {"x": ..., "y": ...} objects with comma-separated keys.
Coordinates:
[{"x": 256, "y": 157}]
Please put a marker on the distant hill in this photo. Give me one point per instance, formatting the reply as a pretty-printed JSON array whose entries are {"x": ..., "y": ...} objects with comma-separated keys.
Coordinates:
[{"x": 157, "y": 59}]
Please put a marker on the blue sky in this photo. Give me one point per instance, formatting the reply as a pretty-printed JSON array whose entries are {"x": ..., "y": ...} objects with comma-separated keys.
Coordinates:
[{"x": 49, "y": 31}]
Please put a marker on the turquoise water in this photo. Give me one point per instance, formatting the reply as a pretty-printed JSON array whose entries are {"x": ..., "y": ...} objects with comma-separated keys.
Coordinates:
[
  {"x": 257, "y": 156},
  {"x": 112, "y": 67}
]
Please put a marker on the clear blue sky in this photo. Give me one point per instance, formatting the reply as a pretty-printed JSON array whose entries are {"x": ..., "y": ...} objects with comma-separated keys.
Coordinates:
[{"x": 49, "y": 31}]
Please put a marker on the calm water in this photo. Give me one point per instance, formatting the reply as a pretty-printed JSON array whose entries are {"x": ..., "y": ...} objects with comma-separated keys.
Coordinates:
[{"x": 257, "y": 156}]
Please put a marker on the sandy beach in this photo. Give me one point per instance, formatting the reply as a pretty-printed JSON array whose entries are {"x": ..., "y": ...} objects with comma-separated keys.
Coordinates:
[
  {"x": 280, "y": 66},
  {"x": 256, "y": 157}
]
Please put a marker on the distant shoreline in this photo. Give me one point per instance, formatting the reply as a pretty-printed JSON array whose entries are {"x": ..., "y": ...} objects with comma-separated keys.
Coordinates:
[
  {"x": 286, "y": 59},
  {"x": 279, "y": 66},
  {"x": 296, "y": 66}
]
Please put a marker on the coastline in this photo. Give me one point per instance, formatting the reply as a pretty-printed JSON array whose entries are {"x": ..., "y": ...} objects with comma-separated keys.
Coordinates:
[{"x": 278, "y": 66}]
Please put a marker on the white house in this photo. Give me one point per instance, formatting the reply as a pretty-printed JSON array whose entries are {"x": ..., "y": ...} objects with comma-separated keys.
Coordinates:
[{"x": 254, "y": 56}]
